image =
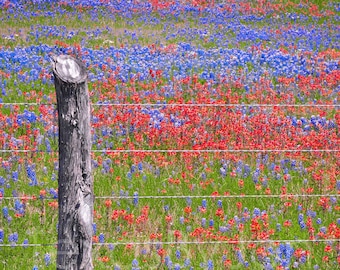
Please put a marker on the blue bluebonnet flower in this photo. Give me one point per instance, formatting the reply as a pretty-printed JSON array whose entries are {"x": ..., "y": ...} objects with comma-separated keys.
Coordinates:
[
  {"x": 18, "y": 205},
  {"x": 210, "y": 265},
  {"x": 181, "y": 220},
  {"x": 302, "y": 225},
  {"x": 24, "y": 243},
  {"x": 187, "y": 262},
  {"x": 101, "y": 238},
  {"x": 15, "y": 176},
  {"x": 246, "y": 170},
  {"x": 300, "y": 217},
  {"x": 323, "y": 229},
  {"x": 177, "y": 267},
  {"x": 311, "y": 213},
  {"x": 223, "y": 172},
  {"x": 285, "y": 253},
  {"x": 224, "y": 229},
  {"x": 178, "y": 254},
  {"x": 140, "y": 166},
  {"x": 47, "y": 259},
  {"x": 1, "y": 236},
  {"x": 48, "y": 145},
  {"x": 31, "y": 174},
  {"x": 94, "y": 228},
  {"x": 135, "y": 198},
  {"x": 13, "y": 237},
  {"x": 256, "y": 212},
  {"x": 333, "y": 200},
  {"x": 168, "y": 261},
  {"x": 2, "y": 181},
  {"x": 135, "y": 264},
  {"x": 239, "y": 256},
  {"x": 204, "y": 222},
  {"x": 53, "y": 193},
  {"x": 5, "y": 212}
]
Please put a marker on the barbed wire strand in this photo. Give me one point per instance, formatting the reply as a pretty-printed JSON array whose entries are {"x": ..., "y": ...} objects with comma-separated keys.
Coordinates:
[
  {"x": 177, "y": 104},
  {"x": 231, "y": 242},
  {"x": 180, "y": 150},
  {"x": 157, "y": 197}
]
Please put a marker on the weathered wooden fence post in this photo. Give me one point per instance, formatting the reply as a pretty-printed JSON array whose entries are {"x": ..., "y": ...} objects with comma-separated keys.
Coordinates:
[{"x": 75, "y": 181}]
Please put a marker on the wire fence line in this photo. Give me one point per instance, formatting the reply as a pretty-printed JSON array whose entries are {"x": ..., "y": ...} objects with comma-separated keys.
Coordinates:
[
  {"x": 214, "y": 150},
  {"x": 179, "y": 104},
  {"x": 231, "y": 242},
  {"x": 158, "y": 197},
  {"x": 181, "y": 151},
  {"x": 217, "y": 196}
]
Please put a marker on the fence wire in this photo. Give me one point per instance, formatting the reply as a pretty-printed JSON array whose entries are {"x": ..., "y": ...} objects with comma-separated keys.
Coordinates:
[
  {"x": 159, "y": 197},
  {"x": 182, "y": 151},
  {"x": 179, "y": 104},
  {"x": 230, "y": 242}
]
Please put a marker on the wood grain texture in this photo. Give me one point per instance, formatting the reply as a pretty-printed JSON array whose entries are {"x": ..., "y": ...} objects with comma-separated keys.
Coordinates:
[{"x": 75, "y": 182}]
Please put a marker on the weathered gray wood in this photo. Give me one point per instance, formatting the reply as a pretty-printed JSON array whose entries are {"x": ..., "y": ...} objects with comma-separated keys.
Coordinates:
[{"x": 75, "y": 182}]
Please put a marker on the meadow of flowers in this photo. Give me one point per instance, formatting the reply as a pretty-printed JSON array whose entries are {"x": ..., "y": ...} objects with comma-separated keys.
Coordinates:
[{"x": 215, "y": 132}]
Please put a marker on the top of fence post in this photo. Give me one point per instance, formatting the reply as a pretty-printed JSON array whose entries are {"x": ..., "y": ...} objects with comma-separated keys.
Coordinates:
[{"x": 68, "y": 68}]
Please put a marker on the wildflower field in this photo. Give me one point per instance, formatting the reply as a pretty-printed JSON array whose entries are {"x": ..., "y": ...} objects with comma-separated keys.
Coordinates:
[{"x": 215, "y": 132}]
